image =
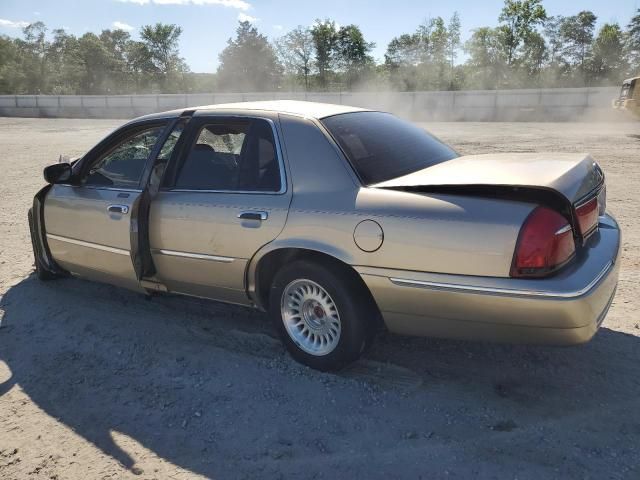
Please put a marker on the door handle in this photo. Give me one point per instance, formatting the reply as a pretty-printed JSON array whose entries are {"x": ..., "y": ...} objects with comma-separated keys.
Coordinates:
[
  {"x": 124, "y": 209},
  {"x": 253, "y": 215}
]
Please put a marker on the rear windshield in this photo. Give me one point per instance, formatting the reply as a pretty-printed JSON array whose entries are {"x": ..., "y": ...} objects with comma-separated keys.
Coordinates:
[{"x": 380, "y": 146}]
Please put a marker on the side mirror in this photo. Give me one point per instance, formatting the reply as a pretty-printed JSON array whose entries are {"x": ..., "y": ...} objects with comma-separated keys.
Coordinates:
[{"x": 58, "y": 173}]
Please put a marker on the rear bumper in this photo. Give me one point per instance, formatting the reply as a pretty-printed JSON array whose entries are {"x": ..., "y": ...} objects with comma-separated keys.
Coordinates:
[{"x": 563, "y": 310}]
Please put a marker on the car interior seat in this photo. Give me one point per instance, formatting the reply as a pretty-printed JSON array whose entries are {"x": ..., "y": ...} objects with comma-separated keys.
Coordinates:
[
  {"x": 258, "y": 162},
  {"x": 200, "y": 170}
]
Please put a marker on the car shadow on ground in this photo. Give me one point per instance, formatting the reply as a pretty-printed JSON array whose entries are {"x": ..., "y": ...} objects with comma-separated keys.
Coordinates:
[{"x": 206, "y": 387}]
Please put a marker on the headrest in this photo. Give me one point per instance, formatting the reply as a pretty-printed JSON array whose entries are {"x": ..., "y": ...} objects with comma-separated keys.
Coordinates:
[{"x": 266, "y": 153}]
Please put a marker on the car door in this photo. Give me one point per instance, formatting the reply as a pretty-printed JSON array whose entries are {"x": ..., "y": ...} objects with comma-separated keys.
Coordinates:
[
  {"x": 225, "y": 195},
  {"x": 88, "y": 221}
]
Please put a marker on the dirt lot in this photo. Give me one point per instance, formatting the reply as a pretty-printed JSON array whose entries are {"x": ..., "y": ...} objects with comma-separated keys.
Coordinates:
[{"x": 96, "y": 382}]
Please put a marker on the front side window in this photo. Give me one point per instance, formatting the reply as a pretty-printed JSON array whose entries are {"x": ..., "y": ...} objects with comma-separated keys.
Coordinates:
[
  {"x": 238, "y": 155},
  {"x": 380, "y": 146},
  {"x": 122, "y": 165}
]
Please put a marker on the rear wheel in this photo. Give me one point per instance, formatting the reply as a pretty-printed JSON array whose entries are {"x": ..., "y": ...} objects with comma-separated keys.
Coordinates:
[{"x": 325, "y": 319}]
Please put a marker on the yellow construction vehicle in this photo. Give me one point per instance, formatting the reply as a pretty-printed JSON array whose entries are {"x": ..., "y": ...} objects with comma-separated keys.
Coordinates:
[{"x": 629, "y": 98}]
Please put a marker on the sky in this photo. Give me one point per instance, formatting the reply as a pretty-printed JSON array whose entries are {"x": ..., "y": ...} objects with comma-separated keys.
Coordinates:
[{"x": 208, "y": 24}]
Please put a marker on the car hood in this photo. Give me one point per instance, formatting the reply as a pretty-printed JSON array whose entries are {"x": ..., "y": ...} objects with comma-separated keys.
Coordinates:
[{"x": 573, "y": 176}]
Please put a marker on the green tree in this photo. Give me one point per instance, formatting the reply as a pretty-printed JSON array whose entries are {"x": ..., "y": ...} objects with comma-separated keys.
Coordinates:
[
  {"x": 633, "y": 40},
  {"x": 249, "y": 62},
  {"x": 424, "y": 59},
  {"x": 423, "y": 34},
  {"x": 116, "y": 42},
  {"x": 519, "y": 19},
  {"x": 65, "y": 66},
  {"x": 534, "y": 55},
  {"x": 161, "y": 41},
  {"x": 202, "y": 82},
  {"x": 352, "y": 54},
  {"x": 139, "y": 66},
  {"x": 33, "y": 55},
  {"x": 403, "y": 55},
  {"x": 554, "y": 38},
  {"x": 453, "y": 45},
  {"x": 438, "y": 64},
  {"x": 325, "y": 37},
  {"x": 487, "y": 62},
  {"x": 555, "y": 68},
  {"x": 607, "y": 62},
  {"x": 11, "y": 75},
  {"x": 405, "y": 50},
  {"x": 95, "y": 59},
  {"x": 577, "y": 37},
  {"x": 295, "y": 51}
]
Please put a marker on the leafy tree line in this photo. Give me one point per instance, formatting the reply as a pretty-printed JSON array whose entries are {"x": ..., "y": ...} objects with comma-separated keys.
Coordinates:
[
  {"x": 108, "y": 63},
  {"x": 530, "y": 48},
  {"x": 527, "y": 48}
]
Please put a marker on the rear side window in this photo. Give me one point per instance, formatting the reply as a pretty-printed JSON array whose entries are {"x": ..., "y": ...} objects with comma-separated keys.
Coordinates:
[
  {"x": 123, "y": 164},
  {"x": 237, "y": 155},
  {"x": 380, "y": 146}
]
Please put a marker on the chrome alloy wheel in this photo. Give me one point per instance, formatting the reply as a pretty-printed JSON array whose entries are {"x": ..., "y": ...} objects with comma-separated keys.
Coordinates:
[{"x": 310, "y": 317}]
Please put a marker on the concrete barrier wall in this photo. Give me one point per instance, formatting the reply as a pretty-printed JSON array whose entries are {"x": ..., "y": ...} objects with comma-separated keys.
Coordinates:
[{"x": 486, "y": 105}]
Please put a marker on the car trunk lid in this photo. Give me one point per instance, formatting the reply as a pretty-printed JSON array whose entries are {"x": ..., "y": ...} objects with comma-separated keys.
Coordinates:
[{"x": 559, "y": 180}]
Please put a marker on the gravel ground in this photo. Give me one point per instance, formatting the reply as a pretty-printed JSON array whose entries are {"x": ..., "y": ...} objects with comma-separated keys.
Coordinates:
[{"x": 96, "y": 382}]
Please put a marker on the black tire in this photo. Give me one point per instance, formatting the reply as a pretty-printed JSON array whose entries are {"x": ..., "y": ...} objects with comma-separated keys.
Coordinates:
[
  {"x": 357, "y": 314},
  {"x": 41, "y": 272}
]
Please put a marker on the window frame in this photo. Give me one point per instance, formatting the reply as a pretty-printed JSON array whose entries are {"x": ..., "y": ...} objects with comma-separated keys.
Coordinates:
[
  {"x": 108, "y": 144},
  {"x": 190, "y": 136},
  {"x": 175, "y": 151}
]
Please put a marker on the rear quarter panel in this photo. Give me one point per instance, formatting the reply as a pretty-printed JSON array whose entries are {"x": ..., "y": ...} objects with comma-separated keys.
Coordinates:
[
  {"x": 443, "y": 233},
  {"x": 431, "y": 233}
]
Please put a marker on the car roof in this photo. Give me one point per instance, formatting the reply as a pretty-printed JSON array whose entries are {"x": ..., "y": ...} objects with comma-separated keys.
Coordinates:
[{"x": 293, "y": 107}]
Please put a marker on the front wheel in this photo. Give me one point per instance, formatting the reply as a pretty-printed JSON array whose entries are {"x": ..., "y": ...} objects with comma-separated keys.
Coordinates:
[
  {"x": 323, "y": 317},
  {"x": 41, "y": 271}
]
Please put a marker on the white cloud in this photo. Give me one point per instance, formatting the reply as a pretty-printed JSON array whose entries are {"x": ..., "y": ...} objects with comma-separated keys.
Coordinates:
[
  {"x": 122, "y": 26},
  {"x": 278, "y": 27},
  {"x": 238, "y": 4},
  {"x": 12, "y": 24},
  {"x": 243, "y": 17}
]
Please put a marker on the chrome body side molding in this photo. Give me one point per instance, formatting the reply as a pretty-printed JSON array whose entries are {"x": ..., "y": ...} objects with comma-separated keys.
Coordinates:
[
  {"x": 197, "y": 256},
  {"x": 502, "y": 291},
  {"x": 82, "y": 243}
]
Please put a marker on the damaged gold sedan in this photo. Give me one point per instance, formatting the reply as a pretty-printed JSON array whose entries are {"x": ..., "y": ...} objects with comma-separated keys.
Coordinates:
[{"x": 338, "y": 221}]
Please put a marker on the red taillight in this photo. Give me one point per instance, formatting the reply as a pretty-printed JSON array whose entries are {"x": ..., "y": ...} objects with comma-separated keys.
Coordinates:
[
  {"x": 587, "y": 215},
  {"x": 544, "y": 245}
]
